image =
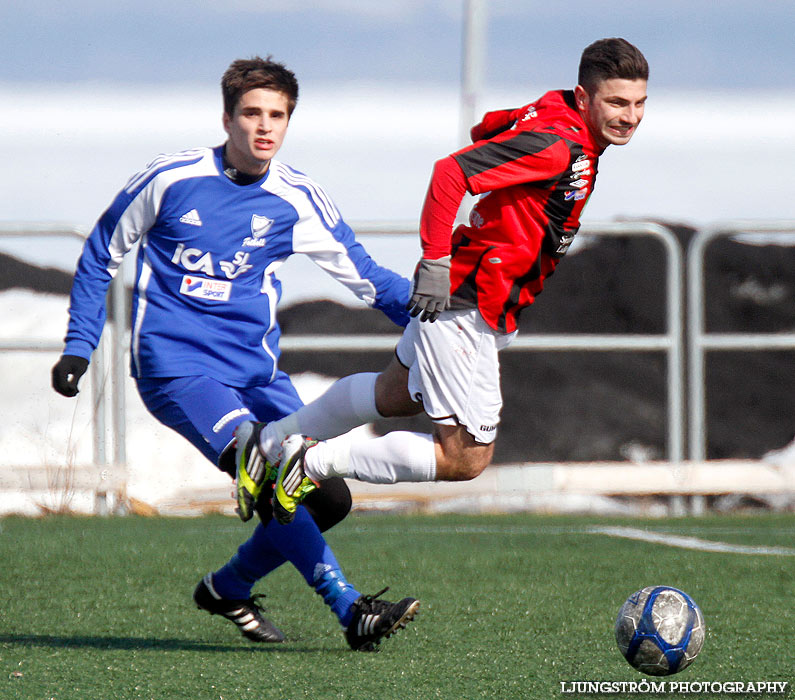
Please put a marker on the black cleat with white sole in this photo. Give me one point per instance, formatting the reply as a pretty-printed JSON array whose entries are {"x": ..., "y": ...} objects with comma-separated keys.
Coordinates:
[
  {"x": 374, "y": 619},
  {"x": 246, "y": 614}
]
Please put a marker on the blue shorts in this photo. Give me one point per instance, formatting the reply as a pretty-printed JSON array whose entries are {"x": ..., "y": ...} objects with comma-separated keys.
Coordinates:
[{"x": 206, "y": 412}]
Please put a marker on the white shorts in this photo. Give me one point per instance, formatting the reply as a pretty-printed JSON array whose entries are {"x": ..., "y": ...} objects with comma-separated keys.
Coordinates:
[{"x": 454, "y": 370}]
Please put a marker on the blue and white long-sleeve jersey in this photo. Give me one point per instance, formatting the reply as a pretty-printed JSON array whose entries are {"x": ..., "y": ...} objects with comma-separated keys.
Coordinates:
[{"x": 205, "y": 295}]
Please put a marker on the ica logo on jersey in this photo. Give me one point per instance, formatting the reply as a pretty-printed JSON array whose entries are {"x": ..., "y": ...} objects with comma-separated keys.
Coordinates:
[
  {"x": 196, "y": 260},
  {"x": 193, "y": 259}
]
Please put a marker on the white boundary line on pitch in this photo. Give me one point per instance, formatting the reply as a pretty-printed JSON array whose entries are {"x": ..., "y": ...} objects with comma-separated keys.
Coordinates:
[
  {"x": 665, "y": 538},
  {"x": 686, "y": 542}
]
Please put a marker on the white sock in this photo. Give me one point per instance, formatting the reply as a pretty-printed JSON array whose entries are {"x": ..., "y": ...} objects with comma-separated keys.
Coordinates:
[
  {"x": 394, "y": 457},
  {"x": 347, "y": 403}
]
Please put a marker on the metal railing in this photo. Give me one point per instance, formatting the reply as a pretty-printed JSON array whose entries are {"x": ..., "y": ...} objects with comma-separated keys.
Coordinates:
[
  {"x": 701, "y": 341},
  {"x": 98, "y": 367},
  {"x": 671, "y": 342}
]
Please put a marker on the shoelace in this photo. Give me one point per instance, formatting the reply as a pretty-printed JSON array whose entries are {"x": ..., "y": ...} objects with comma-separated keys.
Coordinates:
[
  {"x": 370, "y": 603},
  {"x": 254, "y": 604},
  {"x": 250, "y": 601}
]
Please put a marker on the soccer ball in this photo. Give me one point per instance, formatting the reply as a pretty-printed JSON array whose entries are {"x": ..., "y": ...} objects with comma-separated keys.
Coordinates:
[{"x": 660, "y": 630}]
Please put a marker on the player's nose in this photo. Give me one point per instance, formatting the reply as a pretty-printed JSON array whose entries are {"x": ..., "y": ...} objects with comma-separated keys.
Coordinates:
[{"x": 632, "y": 115}]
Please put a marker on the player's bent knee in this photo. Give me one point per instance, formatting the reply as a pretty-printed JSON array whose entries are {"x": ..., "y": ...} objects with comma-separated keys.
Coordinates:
[
  {"x": 462, "y": 462},
  {"x": 473, "y": 465},
  {"x": 329, "y": 504}
]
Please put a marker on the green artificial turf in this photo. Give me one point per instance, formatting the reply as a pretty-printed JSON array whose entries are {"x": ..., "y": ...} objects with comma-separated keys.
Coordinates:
[{"x": 511, "y": 607}]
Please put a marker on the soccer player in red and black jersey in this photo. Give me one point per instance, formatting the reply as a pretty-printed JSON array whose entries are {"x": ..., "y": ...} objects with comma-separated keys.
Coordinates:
[{"x": 534, "y": 168}]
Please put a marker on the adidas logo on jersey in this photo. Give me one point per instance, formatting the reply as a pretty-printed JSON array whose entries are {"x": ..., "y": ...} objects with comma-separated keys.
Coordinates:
[{"x": 192, "y": 218}]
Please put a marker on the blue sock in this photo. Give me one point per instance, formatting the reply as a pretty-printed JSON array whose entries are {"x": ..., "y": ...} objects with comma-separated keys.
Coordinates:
[
  {"x": 255, "y": 558},
  {"x": 337, "y": 593},
  {"x": 300, "y": 543}
]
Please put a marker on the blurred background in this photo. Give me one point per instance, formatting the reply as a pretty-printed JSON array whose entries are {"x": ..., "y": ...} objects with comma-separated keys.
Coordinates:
[{"x": 91, "y": 91}]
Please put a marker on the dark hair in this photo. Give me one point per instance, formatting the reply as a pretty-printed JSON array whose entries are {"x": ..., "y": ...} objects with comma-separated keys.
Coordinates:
[
  {"x": 249, "y": 73},
  {"x": 611, "y": 58}
]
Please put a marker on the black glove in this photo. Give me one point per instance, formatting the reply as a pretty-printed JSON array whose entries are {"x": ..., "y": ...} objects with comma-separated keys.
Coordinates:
[
  {"x": 431, "y": 293},
  {"x": 67, "y": 373}
]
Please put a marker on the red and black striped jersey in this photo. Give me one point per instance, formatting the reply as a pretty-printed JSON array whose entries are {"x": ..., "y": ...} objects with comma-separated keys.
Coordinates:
[{"x": 534, "y": 168}]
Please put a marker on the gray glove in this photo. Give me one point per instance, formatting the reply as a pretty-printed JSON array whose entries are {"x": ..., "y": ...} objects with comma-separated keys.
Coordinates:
[{"x": 431, "y": 293}]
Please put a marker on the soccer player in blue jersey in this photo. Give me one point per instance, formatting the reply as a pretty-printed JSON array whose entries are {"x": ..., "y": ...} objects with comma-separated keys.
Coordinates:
[{"x": 214, "y": 226}]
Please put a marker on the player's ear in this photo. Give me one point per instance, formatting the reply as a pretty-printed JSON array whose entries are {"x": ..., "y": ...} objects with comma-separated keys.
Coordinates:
[
  {"x": 226, "y": 120},
  {"x": 581, "y": 97}
]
